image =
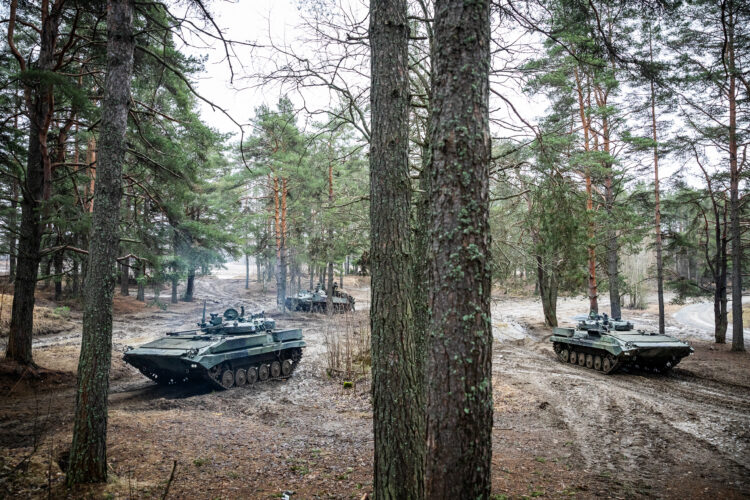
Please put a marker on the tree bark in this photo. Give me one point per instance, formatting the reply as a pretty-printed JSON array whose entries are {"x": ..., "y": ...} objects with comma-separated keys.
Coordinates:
[
  {"x": 88, "y": 452},
  {"x": 738, "y": 341},
  {"x": 459, "y": 352},
  {"x": 40, "y": 107},
  {"x": 398, "y": 397}
]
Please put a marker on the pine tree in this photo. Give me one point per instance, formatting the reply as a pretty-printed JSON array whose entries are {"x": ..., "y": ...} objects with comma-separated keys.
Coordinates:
[
  {"x": 459, "y": 347},
  {"x": 88, "y": 453}
]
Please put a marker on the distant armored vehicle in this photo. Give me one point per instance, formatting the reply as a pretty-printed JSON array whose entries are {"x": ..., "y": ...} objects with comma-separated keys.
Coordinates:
[
  {"x": 606, "y": 345},
  {"x": 229, "y": 350},
  {"x": 317, "y": 301}
]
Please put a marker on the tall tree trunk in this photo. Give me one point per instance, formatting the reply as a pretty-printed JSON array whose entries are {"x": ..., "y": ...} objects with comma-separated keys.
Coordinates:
[
  {"x": 40, "y": 107},
  {"x": 459, "y": 352},
  {"x": 88, "y": 452},
  {"x": 657, "y": 204},
  {"x": 258, "y": 271},
  {"x": 738, "y": 341},
  {"x": 585, "y": 124},
  {"x": 247, "y": 271},
  {"x": 397, "y": 391},
  {"x": 281, "y": 250},
  {"x": 612, "y": 246}
]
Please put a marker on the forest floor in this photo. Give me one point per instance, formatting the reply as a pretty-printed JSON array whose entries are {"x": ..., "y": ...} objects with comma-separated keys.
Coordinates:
[{"x": 560, "y": 431}]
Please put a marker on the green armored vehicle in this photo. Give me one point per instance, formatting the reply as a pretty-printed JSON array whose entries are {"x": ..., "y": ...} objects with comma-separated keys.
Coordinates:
[
  {"x": 605, "y": 345},
  {"x": 229, "y": 350},
  {"x": 317, "y": 301}
]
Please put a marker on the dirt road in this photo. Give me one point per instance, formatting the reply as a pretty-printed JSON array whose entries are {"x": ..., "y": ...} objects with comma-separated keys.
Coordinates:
[{"x": 560, "y": 431}]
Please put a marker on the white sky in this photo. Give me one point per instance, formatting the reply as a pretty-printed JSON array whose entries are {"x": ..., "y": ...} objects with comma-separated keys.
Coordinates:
[
  {"x": 255, "y": 21},
  {"x": 246, "y": 21}
]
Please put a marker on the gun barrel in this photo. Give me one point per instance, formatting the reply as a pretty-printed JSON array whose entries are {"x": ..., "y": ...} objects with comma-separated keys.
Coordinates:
[{"x": 183, "y": 332}]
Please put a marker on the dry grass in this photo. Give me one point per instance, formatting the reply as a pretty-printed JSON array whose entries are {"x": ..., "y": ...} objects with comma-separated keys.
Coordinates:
[
  {"x": 46, "y": 319},
  {"x": 347, "y": 344}
]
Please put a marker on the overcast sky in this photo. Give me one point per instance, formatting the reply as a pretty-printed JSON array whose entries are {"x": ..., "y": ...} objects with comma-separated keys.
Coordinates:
[
  {"x": 245, "y": 21},
  {"x": 256, "y": 21}
]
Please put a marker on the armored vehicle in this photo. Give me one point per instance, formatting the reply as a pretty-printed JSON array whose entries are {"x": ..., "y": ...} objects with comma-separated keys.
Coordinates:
[
  {"x": 228, "y": 350},
  {"x": 606, "y": 345},
  {"x": 316, "y": 301}
]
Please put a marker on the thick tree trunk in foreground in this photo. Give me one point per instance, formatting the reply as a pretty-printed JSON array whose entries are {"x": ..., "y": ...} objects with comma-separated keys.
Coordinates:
[
  {"x": 88, "y": 453},
  {"x": 459, "y": 353},
  {"x": 39, "y": 111},
  {"x": 398, "y": 398}
]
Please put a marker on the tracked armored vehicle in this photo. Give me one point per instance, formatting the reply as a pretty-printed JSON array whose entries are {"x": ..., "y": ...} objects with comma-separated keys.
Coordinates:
[
  {"x": 606, "y": 345},
  {"x": 227, "y": 351},
  {"x": 317, "y": 301}
]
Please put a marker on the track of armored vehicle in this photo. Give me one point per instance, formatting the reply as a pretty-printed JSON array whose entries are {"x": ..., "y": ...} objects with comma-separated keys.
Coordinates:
[
  {"x": 607, "y": 345},
  {"x": 227, "y": 351}
]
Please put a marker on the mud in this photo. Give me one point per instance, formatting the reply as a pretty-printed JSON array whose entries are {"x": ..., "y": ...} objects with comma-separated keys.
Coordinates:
[{"x": 560, "y": 431}]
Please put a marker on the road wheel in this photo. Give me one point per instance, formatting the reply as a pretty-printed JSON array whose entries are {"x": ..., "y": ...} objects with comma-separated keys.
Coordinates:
[
  {"x": 252, "y": 375},
  {"x": 263, "y": 372},
  {"x": 286, "y": 367},
  {"x": 240, "y": 378},
  {"x": 597, "y": 363},
  {"x": 581, "y": 359},
  {"x": 589, "y": 361},
  {"x": 227, "y": 378},
  {"x": 564, "y": 355},
  {"x": 573, "y": 357},
  {"x": 606, "y": 365},
  {"x": 275, "y": 369}
]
